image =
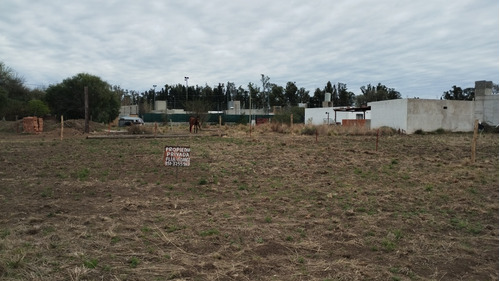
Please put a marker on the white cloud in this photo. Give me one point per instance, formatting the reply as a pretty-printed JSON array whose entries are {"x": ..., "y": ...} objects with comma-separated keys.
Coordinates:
[{"x": 420, "y": 48}]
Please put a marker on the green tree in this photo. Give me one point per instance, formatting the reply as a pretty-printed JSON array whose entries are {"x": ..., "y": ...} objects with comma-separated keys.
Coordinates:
[
  {"x": 257, "y": 100},
  {"x": 284, "y": 115},
  {"x": 291, "y": 94},
  {"x": 317, "y": 99},
  {"x": 13, "y": 94},
  {"x": 277, "y": 95},
  {"x": 230, "y": 91},
  {"x": 343, "y": 96},
  {"x": 37, "y": 108},
  {"x": 328, "y": 88},
  {"x": 376, "y": 93},
  {"x": 303, "y": 95},
  {"x": 456, "y": 93},
  {"x": 3, "y": 102},
  {"x": 242, "y": 95},
  {"x": 67, "y": 98},
  {"x": 13, "y": 84},
  {"x": 266, "y": 90}
]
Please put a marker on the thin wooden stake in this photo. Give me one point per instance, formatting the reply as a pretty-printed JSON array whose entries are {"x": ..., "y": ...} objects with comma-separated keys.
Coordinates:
[
  {"x": 62, "y": 126},
  {"x": 376, "y": 145},
  {"x": 86, "y": 93},
  {"x": 220, "y": 125},
  {"x": 474, "y": 142}
]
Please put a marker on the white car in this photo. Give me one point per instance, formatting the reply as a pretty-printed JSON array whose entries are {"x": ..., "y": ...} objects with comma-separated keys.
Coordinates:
[{"x": 129, "y": 121}]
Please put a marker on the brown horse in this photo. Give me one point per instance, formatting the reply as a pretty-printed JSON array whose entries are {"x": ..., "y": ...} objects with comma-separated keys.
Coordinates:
[{"x": 194, "y": 122}]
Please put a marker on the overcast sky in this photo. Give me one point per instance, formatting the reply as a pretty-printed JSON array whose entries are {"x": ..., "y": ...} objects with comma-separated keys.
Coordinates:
[{"x": 419, "y": 47}]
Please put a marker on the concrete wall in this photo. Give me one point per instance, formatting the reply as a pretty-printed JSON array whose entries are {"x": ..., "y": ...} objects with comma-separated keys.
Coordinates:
[
  {"x": 411, "y": 115},
  {"x": 129, "y": 110},
  {"x": 486, "y": 104},
  {"x": 430, "y": 115},
  {"x": 486, "y": 109},
  {"x": 389, "y": 113},
  {"x": 319, "y": 116},
  {"x": 160, "y": 106}
]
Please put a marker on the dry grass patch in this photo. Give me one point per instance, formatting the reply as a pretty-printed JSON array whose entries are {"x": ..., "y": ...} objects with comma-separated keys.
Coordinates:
[{"x": 273, "y": 205}]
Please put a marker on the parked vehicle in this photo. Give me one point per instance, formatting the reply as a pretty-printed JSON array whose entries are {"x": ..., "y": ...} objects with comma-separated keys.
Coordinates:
[{"x": 129, "y": 121}]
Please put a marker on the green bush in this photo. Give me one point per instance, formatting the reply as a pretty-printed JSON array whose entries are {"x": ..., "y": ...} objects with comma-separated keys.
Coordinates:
[{"x": 284, "y": 115}]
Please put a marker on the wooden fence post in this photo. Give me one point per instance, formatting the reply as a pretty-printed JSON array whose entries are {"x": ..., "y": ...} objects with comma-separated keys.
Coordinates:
[
  {"x": 220, "y": 126},
  {"x": 86, "y": 98},
  {"x": 474, "y": 141},
  {"x": 62, "y": 126}
]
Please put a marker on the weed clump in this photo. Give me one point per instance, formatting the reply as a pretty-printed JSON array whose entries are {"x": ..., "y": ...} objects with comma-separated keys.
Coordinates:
[
  {"x": 139, "y": 130},
  {"x": 277, "y": 127},
  {"x": 308, "y": 130}
]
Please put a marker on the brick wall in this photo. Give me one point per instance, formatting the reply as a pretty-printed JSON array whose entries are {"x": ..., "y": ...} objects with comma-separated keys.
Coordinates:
[{"x": 32, "y": 125}]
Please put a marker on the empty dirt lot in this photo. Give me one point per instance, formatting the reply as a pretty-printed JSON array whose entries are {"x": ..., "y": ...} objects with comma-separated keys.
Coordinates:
[{"x": 265, "y": 206}]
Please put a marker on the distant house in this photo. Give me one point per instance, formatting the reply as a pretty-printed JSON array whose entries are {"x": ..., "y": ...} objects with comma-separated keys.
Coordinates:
[
  {"x": 129, "y": 110},
  {"x": 334, "y": 115},
  {"x": 411, "y": 115}
]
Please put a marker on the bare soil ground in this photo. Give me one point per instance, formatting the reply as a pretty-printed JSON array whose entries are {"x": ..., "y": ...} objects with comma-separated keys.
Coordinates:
[{"x": 265, "y": 206}]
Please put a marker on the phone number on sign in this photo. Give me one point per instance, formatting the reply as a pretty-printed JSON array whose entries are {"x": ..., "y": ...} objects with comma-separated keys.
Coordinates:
[{"x": 178, "y": 164}]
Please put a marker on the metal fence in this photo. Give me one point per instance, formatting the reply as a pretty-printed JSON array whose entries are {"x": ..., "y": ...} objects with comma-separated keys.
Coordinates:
[{"x": 206, "y": 118}]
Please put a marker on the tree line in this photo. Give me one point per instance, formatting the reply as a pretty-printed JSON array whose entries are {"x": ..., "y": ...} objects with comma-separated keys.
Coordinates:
[
  {"x": 66, "y": 98},
  {"x": 264, "y": 95}
]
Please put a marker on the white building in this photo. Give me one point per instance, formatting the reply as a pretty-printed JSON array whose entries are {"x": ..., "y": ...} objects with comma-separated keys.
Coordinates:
[
  {"x": 427, "y": 115},
  {"x": 129, "y": 110},
  {"x": 333, "y": 115},
  {"x": 411, "y": 115}
]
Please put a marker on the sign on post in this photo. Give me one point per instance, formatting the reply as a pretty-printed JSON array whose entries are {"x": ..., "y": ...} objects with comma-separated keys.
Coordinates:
[{"x": 177, "y": 156}]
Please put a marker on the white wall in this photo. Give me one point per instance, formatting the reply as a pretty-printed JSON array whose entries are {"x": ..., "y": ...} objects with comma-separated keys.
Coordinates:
[
  {"x": 486, "y": 109},
  {"x": 430, "y": 115},
  {"x": 128, "y": 110},
  {"x": 160, "y": 106},
  {"x": 411, "y": 115},
  {"x": 319, "y": 116},
  {"x": 389, "y": 113}
]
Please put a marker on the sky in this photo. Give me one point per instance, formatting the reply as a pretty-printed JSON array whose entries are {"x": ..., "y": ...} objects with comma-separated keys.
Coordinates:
[{"x": 420, "y": 48}]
